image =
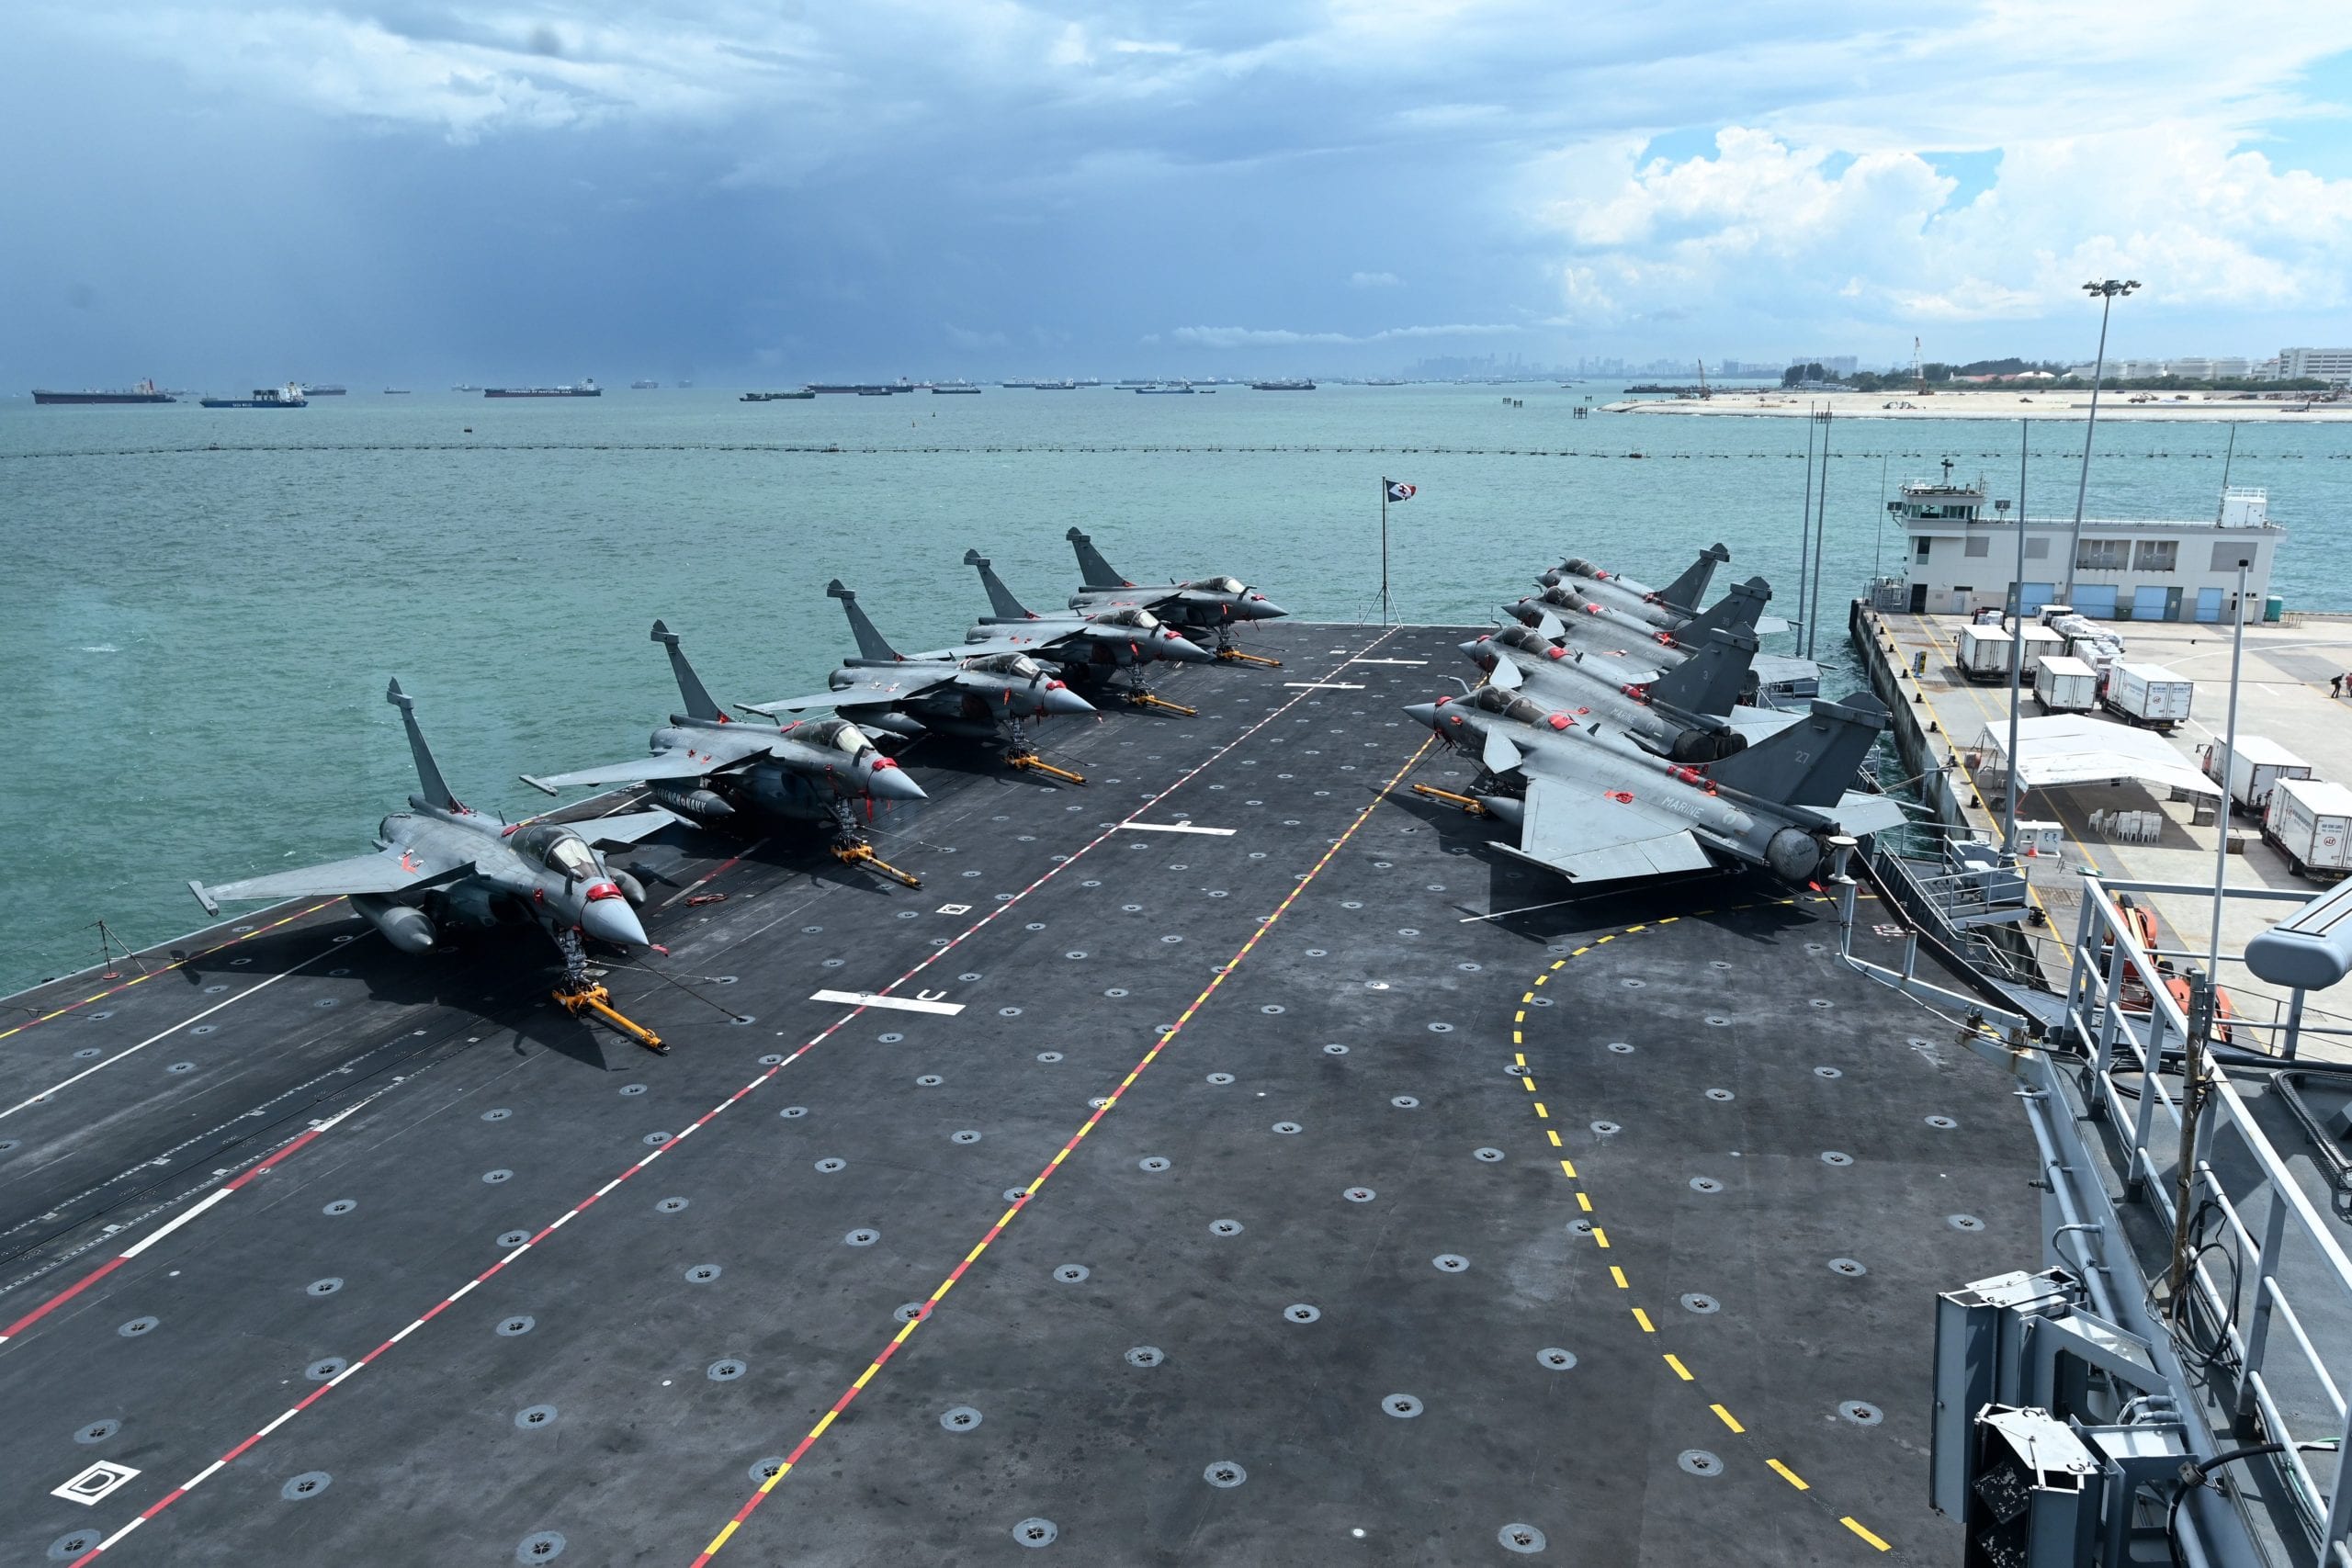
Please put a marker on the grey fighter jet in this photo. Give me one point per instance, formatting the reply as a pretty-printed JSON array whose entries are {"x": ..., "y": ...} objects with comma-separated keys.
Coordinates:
[
  {"x": 1593, "y": 625},
  {"x": 1588, "y": 802},
  {"x": 1668, "y": 608},
  {"x": 440, "y": 863},
  {"x": 705, "y": 765},
  {"x": 1687, "y": 714},
  {"x": 972, "y": 693},
  {"x": 1210, "y": 604},
  {"x": 1086, "y": 645}
]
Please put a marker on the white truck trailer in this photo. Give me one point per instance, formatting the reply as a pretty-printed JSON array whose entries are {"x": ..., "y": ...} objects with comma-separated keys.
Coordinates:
[
  {"x": 1984, "y": 652},
  {"x": 2147, "y": 695},
  {"x": 2065, "y": 686},
  {"x": 2310, "y": 822},
  {"x": 2255, "y": 767}
]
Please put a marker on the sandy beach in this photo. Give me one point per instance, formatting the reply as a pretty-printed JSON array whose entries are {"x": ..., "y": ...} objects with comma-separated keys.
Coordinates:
[{"x": 2197, "y": 408}]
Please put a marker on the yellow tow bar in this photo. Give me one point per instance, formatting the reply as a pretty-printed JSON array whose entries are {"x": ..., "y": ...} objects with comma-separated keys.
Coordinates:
[
  {"x": 597, "y": 1000},
  {"x": 1032, "y": 762},
  {"x": 1430, "y": 792},
  {"x": 1240, "y": 658},
  {"x": 863, "y": 855},
  {"x": 1146, "y": 700}
]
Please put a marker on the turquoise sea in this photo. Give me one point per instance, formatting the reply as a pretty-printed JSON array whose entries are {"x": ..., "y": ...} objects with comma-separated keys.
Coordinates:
[{"x": 208, "y": 603}]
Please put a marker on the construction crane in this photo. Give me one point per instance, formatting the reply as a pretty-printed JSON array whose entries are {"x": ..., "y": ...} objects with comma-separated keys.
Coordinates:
[
  {"x": 1918, "y": 370},
  {"x": 1704, "y": 393}
]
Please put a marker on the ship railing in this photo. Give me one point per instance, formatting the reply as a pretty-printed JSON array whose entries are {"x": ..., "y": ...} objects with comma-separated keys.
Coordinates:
[{"x": 2259, "y": 1342}]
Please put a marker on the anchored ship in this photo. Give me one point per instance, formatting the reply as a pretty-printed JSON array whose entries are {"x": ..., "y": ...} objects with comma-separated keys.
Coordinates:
[
  {"x": 585, "y": 388},
  {"x": 145, "y": 393},
  {"x": 290, "y": 396}
]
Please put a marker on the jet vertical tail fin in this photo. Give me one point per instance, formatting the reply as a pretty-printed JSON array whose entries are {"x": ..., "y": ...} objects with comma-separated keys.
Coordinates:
[
  {"x": 871, "y": 644},
  {"x": 1097, "y": 572},
  {"x": 1000, "y": 598},
  {"x": 428, "y": 771},
  {"x": 1737, "y": 611},
  {"x": 690, "y": 687},
  {"x": 1685, "y": 592},
  {"x": 1708, "y": 683},
  {"x": 1814, "y": 760}
]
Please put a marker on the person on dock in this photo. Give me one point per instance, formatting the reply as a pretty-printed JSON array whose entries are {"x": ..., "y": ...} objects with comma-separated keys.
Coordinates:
[{"x": 2335, "y": 686}]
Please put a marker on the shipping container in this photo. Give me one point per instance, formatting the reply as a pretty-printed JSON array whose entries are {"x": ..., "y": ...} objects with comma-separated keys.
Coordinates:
[
  {"x": 1984, "y": 652},
  {"x": 2040, "y": 643},
  {"x": 2148, "y": 694},
  {"x": 2310, "y": 822},
  {"x": 2065, "y": 686},
  {"x": 2255, "y": 768}
]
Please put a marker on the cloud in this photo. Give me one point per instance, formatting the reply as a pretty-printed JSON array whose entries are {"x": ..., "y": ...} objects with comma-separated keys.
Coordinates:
[
  {"x": 963, "y": 337},
  {"x": 1375, "y": 280},
  {"x": 1266, "y": 337}
]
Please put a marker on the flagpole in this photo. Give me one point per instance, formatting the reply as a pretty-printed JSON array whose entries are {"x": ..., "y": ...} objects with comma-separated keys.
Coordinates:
[{"x": 1383, "y": 551}]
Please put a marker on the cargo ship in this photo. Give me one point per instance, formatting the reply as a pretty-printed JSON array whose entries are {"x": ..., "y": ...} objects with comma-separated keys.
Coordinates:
[
  {"x": 1282, "y": 386},
  {"x": 585, "y": 388},
  {"x": 145, "y": 393},
  {"x": 327, "y": 392},
  {"x": 645, "y": 386},
  {"x": 290, "y": 396},
  {"x": 777, "y": 397},
  {"x": 957, "y": 387}
]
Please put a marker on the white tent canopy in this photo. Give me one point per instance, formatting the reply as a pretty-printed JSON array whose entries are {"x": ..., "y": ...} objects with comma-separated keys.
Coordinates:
[{"x": 2075, "y": 749}]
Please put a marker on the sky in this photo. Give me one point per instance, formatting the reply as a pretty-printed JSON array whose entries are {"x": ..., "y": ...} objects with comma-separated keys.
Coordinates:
[{"x": 214, "y": 193}]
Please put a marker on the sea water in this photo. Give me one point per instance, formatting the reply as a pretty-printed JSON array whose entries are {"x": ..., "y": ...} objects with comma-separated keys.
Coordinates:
[{"x": 205, "y": 605}]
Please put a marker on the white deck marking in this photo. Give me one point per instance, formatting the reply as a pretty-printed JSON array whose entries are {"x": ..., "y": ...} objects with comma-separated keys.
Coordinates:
[
  {"x": 1175, "y": 828},
  {"x": 1388, "y": 662},
  {"x": 1322, "y": 686},
  {"x": 904, "y": 1004},
  {"x": 93, "y": 1483},
  {"x": 166, "y": 1035}
]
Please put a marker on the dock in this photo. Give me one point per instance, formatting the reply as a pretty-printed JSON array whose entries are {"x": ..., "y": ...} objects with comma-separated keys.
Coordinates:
[
  {"x": 1233, "y": 1160},
  {"x": 1912, "y": 662}
]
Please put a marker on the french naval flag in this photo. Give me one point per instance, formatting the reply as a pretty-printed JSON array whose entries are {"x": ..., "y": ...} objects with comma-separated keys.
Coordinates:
[{"x": 1398, "y": 490}]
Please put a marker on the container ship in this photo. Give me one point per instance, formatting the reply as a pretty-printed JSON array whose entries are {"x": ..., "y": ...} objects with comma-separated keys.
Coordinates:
[
  {"x": 145, "y": 393},
  {"x": 777, "y": 397},
  {"x": 290, "y": 396},
  {"x": 585, "y": 388}
]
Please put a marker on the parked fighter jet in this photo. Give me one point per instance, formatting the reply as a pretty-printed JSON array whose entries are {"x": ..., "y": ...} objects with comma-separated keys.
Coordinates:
[
  {"x": 1684, "y": 714},
  {"x": 1668, "y": 608},
  {"x": 1592, "y": 625},
  {"x": 974, "y": 693},
  {"x": 1086, "y": 645},
  {"x": 1590, "y": 804},
  {"x": 1212, "y": 603},
  {"x": 705, "y": 765},
  {"x": 441, "y": 863}
]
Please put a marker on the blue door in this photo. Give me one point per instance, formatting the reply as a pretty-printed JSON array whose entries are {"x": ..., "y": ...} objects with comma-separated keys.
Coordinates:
[
  {"x": 2095, "y": 600},
  {"x": 2148, "y": 602},
  {"x": 2209, "y": 605},
  {"x": 2035, "y": 594}
]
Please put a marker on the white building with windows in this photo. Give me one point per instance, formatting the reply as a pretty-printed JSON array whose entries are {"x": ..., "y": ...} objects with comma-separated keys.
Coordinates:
[
  {"x": 2324, "y": 364},
  {"x": 1961, "y": 556}
]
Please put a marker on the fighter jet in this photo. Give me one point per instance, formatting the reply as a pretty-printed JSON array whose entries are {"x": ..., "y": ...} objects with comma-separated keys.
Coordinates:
[
  {"x": 973, "y": 692},
  {"x": 440, "y": 863},
  {"x": 1605, "y": 629},
  {"x": 1668, "y": 608},
  {"x": 1211, "y": 604},
  {"x": 1588, "y": 802},
  {"x": 705, "y": 765},
  {"x": 1086, "y": 645},
  {"x": 1685, "y": 714}
]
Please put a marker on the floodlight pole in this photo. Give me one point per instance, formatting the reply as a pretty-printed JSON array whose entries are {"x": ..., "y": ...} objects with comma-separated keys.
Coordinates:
[
  {"x": 2105, "y": 290},
  {"x": 2017, "y": 649}
]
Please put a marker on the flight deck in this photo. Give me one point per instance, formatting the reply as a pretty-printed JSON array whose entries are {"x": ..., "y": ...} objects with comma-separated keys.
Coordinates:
[{"x": 1232, "y": 1160}]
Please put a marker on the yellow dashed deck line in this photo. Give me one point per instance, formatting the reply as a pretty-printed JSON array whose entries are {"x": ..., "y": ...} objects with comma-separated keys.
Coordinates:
[
  {"x": 1553, "y": 1133},
  {"x": 1568, "y": 1169},
  {"x": 1644, "y": 1319},
  {"x": 1584, "y": 1202},
  {"x": 1539, "y": 1108},
  {"x": 1619, "y": 1275},
  {"x": 1602, "y": 1236},
  {"x": 1679, "y": 1369},
  {"x": 1790, "y": 1476},
  {"x": 1728, "y": 1419}
]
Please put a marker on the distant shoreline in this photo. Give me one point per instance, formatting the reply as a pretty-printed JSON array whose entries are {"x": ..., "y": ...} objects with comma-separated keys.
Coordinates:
[{"x": 2195, "y": 409}]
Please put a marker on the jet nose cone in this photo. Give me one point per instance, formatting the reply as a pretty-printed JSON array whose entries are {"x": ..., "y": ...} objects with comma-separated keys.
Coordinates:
[
  {"x": 888, "y": 781},
  {"x": 1423, "y": 713},
  {"x": 1058, "y": 698},
  {"x": 1258, "y": 607},
  {"x": 1481, "y": 652},
  {"x": 611, "y": 919},
  {"x": 1184, "y": 650}
]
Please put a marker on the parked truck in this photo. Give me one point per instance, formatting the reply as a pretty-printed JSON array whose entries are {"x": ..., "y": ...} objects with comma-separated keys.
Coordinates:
[
  {"x": 2147, "y": 695},
  {"x": 2255, "y": 767},
  {"x": 2065, "y": 686},
  {"x": 2310, "y": 822},
  {"x": 1984, "y": 652}
]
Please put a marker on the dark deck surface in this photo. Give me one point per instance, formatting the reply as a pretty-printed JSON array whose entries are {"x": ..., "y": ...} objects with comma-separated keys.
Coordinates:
[{"x": 1202, "y": 1087}]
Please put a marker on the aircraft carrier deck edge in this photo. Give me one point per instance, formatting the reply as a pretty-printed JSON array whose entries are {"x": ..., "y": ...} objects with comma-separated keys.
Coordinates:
[{"x": 1219, "y": 1173}]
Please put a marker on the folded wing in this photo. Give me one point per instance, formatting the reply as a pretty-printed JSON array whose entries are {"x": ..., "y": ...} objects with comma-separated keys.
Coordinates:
[
  {"x": 663, "y": 765},
  {"x": 387, "y": 870}
]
